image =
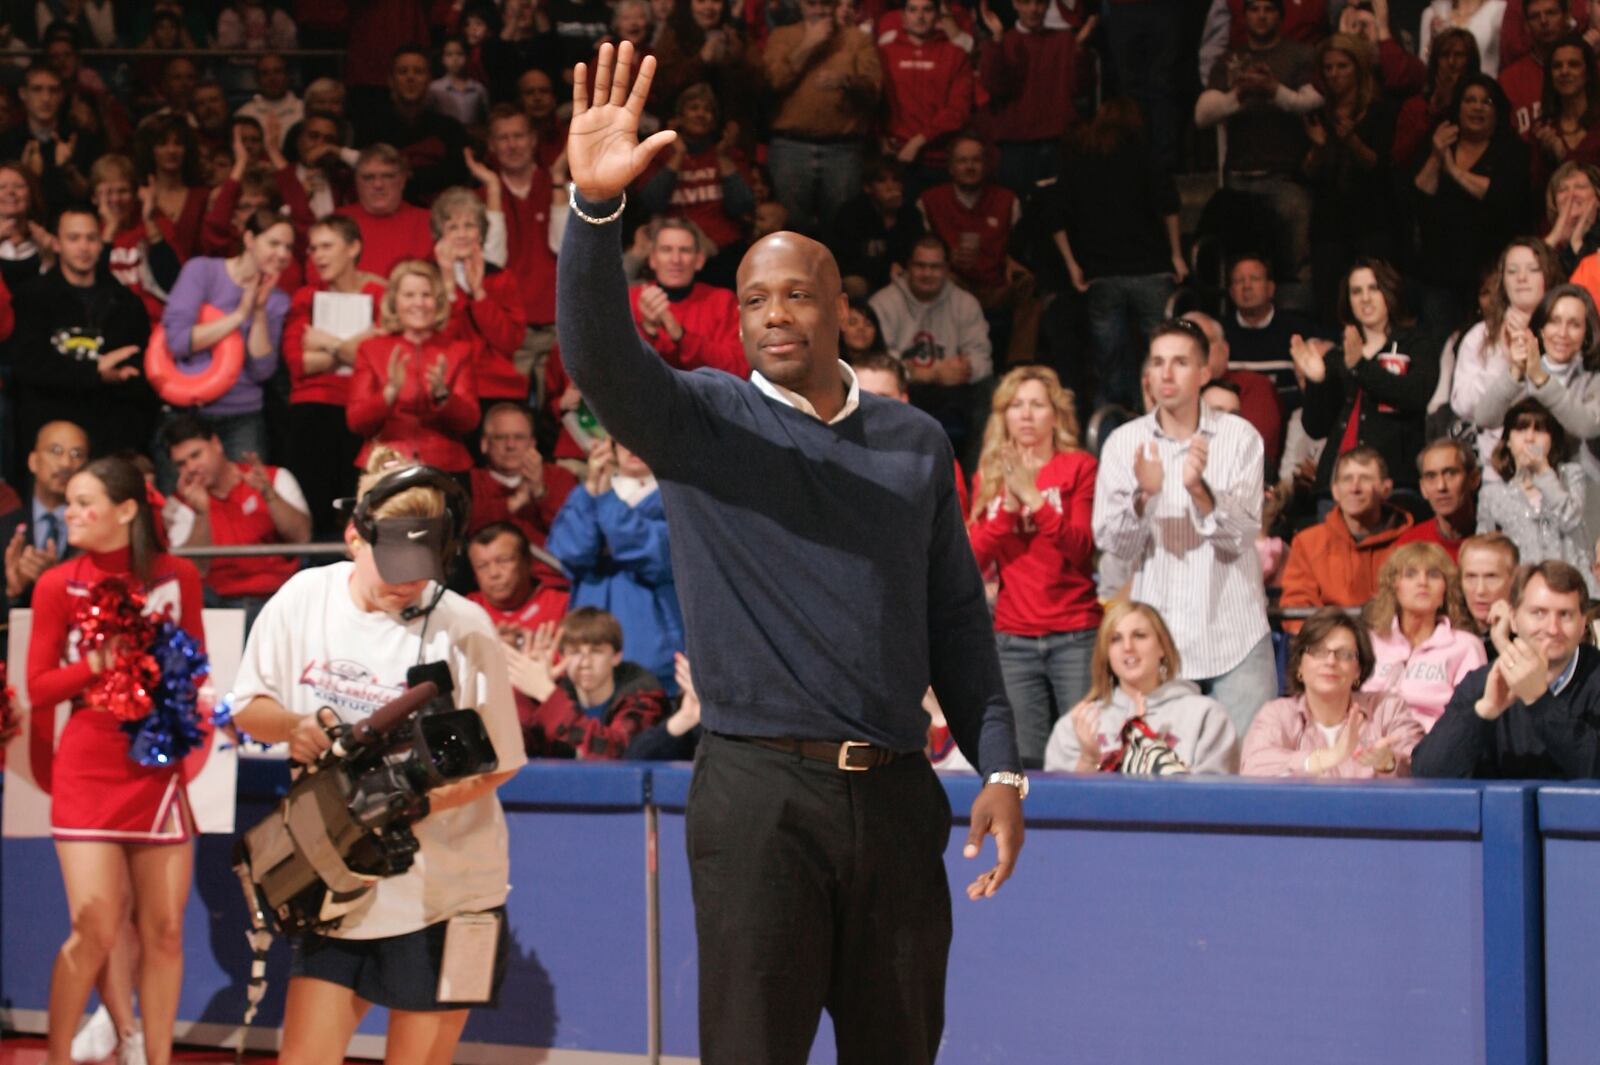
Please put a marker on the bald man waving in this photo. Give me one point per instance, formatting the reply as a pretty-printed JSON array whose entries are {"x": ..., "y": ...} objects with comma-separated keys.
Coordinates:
[{"x": 826, "y": 581}]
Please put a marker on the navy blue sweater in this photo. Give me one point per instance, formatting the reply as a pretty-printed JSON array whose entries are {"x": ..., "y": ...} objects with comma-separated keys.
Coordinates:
[{"x": 824, "y": 570}]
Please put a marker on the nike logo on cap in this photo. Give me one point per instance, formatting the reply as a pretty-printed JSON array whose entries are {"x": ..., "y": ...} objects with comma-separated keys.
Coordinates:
[{"x": 416, "y": 534}]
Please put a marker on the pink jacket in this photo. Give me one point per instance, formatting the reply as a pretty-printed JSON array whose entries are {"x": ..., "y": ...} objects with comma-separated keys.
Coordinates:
[
  {"x": 1283, "y": 735},
  {"x": 1426, "y": 676}
]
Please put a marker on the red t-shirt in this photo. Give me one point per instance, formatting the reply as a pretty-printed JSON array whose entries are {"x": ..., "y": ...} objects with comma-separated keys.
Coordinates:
[
  {"x": 545, "y": 604},
  {"x": 239, "y": 518},
  {"x": 976, "y": 235}
]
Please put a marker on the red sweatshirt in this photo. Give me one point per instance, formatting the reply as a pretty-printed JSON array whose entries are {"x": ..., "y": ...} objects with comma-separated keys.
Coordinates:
[
  {"x": 528, "y": 256},
  {"x": 330, "y": 386},
  {"x": 128, "y": 261},
  {"x": 1523, "y": 82},
  {"x": 494, "y": 326},
  {"x": 415, "y": 426},
  {"x": 929, "y": 91},
  {"x": 406, "y": 234},
  {"x": 710, "y": 319},
  {"x": 977, "y": 235},
  {"x": 491, "y": 502},
  {"x": 1030, "y": 78},
  {"x": 545, "y": 604},
  {"x": 1045, "y": 558}
]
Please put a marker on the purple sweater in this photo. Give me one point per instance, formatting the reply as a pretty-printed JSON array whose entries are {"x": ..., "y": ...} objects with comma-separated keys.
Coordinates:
[{"x": 206, "y": 280}]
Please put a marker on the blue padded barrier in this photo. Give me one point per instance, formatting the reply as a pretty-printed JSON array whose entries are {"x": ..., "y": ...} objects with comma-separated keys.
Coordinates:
[{"x": 1569, "y": 822}]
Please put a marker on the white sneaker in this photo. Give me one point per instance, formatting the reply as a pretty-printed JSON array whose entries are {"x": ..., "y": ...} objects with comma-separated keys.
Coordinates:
[
  {"x": 131, "y": 1050},
  {"x": 97, "y": 1039}
]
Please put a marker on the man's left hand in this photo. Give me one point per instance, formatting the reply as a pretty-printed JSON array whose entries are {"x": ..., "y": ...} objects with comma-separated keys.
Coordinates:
[{"x": 996, "y": 812}]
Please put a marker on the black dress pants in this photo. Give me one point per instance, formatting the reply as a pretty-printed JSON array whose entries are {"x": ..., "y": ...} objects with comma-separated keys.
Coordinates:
[{"x": 816, "y": 888}]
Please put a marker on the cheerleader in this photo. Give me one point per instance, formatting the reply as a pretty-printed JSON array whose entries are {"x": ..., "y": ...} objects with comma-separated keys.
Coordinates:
[
  {"x": 122, "y": 830},
  {"x": 337, "y": 641}
]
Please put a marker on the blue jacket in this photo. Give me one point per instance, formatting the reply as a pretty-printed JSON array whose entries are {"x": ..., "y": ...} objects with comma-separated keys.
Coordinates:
[{"x": 619, "y": 561}]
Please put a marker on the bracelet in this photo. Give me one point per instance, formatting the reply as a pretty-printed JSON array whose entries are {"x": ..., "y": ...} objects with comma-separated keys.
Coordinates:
[{"x": 572, "y": 201}]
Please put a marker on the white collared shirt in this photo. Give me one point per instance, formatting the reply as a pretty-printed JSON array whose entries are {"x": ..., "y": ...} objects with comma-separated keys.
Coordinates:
[
  {"x": 1199, "y": 571},
  {"x": 794, "y": 399}
]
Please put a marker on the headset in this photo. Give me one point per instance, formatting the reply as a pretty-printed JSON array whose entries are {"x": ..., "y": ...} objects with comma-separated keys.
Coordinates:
[{"x": 457, "y": 508}]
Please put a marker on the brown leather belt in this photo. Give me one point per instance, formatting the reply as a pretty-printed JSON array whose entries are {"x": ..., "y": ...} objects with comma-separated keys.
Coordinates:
[{"x": 853, "y": 756}]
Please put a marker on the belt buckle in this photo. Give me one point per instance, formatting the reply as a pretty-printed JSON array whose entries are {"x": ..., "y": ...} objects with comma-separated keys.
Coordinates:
[{"x": 844, "y": 756}]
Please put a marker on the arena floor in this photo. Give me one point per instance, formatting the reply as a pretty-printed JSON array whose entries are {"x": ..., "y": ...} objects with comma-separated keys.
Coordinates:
[{"x": 29, "y": 1050}]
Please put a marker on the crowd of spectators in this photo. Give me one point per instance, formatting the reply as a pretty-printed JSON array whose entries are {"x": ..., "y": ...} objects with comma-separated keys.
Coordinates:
[{"x": 1360, "y": 385}]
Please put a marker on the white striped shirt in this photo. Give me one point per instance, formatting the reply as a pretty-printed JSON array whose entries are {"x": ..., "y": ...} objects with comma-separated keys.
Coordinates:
[{"x": 1201, "y": 573}]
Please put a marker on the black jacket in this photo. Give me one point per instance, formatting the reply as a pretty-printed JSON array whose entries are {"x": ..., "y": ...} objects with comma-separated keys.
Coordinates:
[
  {"x": 1394, "y": 388},
  {"x": 61, "y": 331},
  {"x": 1555, "y": 738}
]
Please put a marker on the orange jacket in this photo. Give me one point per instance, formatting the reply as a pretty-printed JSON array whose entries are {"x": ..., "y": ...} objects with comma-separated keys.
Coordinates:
[{"x": 1327, "y": 567}]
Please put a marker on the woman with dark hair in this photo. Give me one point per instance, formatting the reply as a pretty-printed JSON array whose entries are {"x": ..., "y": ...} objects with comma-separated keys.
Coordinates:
[
  {"x": 166, "y": 150},
  {"x": 860, "y": 334},
  {"x": 1568, "y": 128},
  {"x": 1115, "y": 223},
  {"x": 1327, "y": 726},
  {"x": 1555, "y": 361},
  {"x": 245, "y": 288},
  {"x": 1423, "y": 636},
  {"x": 1454, "y": 57},
  {"x": 1473, "y": 197},
  {"x": 1527, "y": 268},
  {"x": 1538, "y": 500},
  {"x": 1373, "y": 388},
  {"x": 122, "y": 829},
  {"x": 1347, "y": 166}
]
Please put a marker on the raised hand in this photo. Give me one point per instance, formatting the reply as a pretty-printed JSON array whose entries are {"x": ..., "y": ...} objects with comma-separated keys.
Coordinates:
[
  {"x": 1307, "y": 359},
  {"x": 192, "y": 490},
  {"x": 256, "y": 476},
  {"x": 1354, "y": 346},
  {"x": 399, "y": 361},
  {"x": 604, "y": 154},
  {"x": 438, "y": 382},
  {"x": 991, "y": 21},
  {"x": 1021, "y": 475},
  {"x": 483, "y": 174}
]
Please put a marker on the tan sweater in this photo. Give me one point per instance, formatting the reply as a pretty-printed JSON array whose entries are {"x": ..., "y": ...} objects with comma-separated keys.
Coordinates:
[{"x": 808, "y": 109}]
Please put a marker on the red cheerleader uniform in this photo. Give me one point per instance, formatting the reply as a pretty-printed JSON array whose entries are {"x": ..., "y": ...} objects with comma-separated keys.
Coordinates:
[{"x": 98, "y": 793}]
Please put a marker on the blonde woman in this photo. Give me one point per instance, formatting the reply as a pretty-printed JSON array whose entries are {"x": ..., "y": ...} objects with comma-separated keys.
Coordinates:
[
  {"x": 414, "y": 388},
  {"x": 1423, "y": 637},
  {"x": 1033, "y": 501},
  {"x": 377, "y": 616},
  {"x": 1135, "y": 675}
]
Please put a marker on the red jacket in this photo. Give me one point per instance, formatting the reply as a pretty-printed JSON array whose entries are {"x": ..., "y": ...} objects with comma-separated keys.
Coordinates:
[
  {"x": 1428, "y": 532},
  {"x": 929, "y": 90},
  {"x": 330, "y": 386},
  {"x": 710, "y": 319},
  {"x": 547, "y": 603},
  {"x": 528, "y": 256},
  {"x": 977, "y": 235},
  {"x": 491, "y": 502},
  {"x": 1030, "y": 78},
  {"x": 1045, "y": 559},
  {"x": 1327, "y": 567},
  {"x": 494, "y": 326},
  {"x": 415, "y": 426}
]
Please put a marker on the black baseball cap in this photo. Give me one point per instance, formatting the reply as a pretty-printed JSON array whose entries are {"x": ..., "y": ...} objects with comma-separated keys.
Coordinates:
[{"x": 411, "y": 548}]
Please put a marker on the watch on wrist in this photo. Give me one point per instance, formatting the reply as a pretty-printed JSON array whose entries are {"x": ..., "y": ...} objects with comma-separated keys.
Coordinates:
[{"x": 1015, "y": 780}]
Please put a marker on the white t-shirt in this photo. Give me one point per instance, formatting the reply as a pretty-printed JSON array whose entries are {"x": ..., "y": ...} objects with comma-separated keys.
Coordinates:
[{"x": 312, "y": 647}]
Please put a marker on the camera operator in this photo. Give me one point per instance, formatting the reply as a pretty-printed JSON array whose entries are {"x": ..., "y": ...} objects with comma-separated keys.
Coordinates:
[{"x": 336, "y": 643}]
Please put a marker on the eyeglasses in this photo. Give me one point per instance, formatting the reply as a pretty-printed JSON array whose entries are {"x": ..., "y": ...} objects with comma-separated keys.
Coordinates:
[
  {"x": 1342, "y": 655},
  {"x": 56, "y": 451}
]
